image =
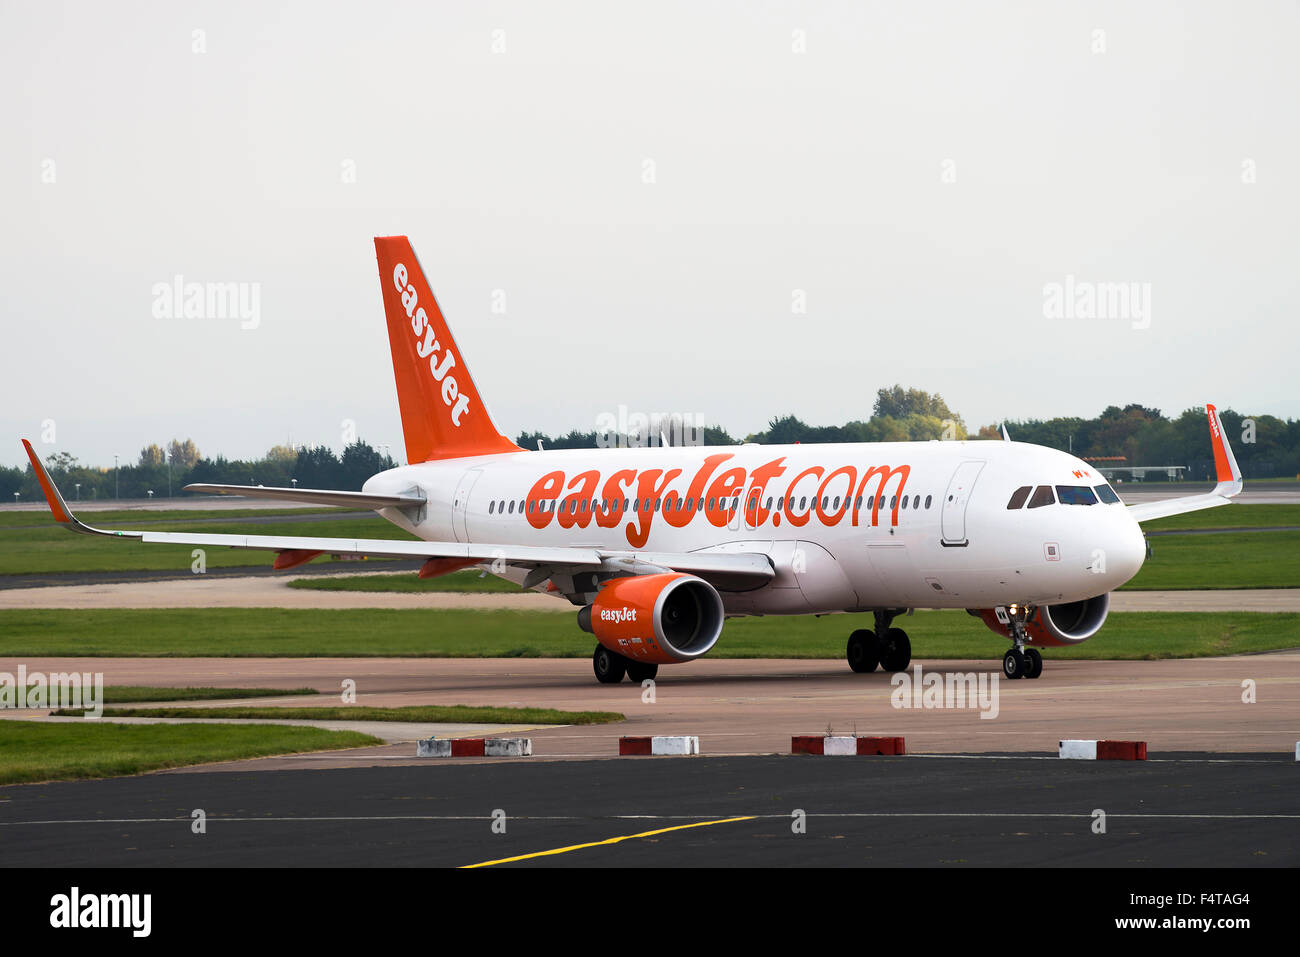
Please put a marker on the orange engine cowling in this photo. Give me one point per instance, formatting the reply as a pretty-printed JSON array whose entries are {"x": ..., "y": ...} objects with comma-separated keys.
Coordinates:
[
  {"x": 660, "y": 619},
  {"x": 1068, "y": 623}
]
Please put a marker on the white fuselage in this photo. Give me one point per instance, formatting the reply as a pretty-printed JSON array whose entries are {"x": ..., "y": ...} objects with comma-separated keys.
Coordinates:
[{"x": 848, "y": 527}]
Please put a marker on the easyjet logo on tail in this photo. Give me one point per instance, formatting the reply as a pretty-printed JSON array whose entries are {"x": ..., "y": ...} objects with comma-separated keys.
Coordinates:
[{"x": 441, "y": 359}]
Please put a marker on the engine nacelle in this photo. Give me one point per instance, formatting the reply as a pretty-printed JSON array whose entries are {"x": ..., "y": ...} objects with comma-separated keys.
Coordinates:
[
  {"x": 1068, "y": 623},
  {"x": 658, "y": 619}
]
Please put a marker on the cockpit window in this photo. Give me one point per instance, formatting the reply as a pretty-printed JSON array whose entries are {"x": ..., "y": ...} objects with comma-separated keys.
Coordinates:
[
  {"x": 1107, "y": 494},
  {"x": 1075, "y": 495},
  {"x": 1042, "y": 496},
  {"x": 1018, "y": 497}
]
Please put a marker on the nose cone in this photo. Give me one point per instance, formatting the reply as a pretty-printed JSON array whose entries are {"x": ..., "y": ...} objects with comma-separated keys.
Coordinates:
[{"x": 1126, "y": 552}]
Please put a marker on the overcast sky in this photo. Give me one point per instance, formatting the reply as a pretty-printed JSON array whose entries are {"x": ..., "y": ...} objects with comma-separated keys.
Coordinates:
[{"x": 736, "y": 209}]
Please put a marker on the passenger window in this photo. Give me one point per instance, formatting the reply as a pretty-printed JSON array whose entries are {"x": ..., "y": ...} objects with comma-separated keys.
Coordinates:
[
  {"x": 532, "y": 506},
  {"x": 927, "y": 501},
  {"x": 492, "y": 507},
  {"x": 690, "y": 503},
  {"x": 1018, "y": 497},
  {"x": 712, "y": 503},
  {"x": 1107, "y": 494},
  {"x": 871, "y": 500},
  {"x": 904, "y": 501},
  {"x": 859, "y": 503},
  {"x": 1075, "y": 495},
  {"x": 512, "y": 508},
  {"x": 893, "y": 501},
  {"x": 1042, "y": 496},
  {"x": 803, "y": 502}
]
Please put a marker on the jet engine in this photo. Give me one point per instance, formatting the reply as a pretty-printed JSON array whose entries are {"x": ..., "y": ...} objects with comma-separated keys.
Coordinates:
[{"x": 657, "y": 619}]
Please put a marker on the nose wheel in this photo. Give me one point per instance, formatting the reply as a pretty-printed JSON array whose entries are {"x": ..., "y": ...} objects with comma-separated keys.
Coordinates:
[{"x": 1022, "y": 664}]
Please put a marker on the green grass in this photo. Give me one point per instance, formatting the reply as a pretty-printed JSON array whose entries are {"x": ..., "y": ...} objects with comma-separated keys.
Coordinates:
[
  {"x": 1221, "y": 560},
  {"x": 1235, "y": 515},
  {"x": 52, "y": 548},
  {"x": 462, "y": 581},
  {"x": 50, "y": 751},
  {"x": 124, "y": 517},
  {"x": 422, "y": 714},
  {"x": 259, "y": 632}
]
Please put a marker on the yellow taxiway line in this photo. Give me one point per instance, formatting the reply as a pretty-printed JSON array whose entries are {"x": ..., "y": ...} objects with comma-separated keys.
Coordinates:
[{"x": 611, "y": 840}]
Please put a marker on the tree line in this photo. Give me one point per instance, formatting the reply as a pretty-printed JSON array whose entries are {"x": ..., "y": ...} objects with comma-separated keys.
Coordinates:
[{"x": 1265, "y": 446}]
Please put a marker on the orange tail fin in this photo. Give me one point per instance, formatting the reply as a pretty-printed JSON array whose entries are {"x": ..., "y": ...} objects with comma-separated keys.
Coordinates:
[{"x": 442, "y": 414}]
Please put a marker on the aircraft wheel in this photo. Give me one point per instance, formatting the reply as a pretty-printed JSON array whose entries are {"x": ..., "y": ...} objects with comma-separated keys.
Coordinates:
[
  {"x": 1014, "y": 664},
  {"x": 895, "y": 650},
  {"x": 863, "y": 652},
  {"x": 608, "y": 665},
  {"x": 638, "y": 672},
  {"x": 1033, "y": 663}
]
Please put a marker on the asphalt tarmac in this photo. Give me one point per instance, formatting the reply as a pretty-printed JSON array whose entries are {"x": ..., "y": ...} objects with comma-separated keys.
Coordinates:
[{"x": 1181, "y": 810}]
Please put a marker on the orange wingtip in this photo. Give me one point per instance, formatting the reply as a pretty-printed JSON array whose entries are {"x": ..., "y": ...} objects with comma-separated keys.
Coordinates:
[
  {"x": 1222, "y": 470},
  {"x": 51, "y": 495}
]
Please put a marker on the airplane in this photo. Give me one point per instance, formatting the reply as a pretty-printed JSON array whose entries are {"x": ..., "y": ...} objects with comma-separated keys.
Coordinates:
[{"x": 658, "y": 546}]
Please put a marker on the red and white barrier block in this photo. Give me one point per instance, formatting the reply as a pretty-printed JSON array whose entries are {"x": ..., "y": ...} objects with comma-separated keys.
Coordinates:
[
  {"x": 1103, "y": 750},
  {"x": 660, "y": 744},
  {"x": 474, "y": 748},
  {"x": 845, "y": 744}
]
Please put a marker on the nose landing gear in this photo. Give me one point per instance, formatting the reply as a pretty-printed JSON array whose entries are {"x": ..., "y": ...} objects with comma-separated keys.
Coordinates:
[{"x": 1019, "y": 662}]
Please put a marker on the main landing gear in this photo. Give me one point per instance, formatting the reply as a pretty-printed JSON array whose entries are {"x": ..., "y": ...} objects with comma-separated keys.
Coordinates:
[
  {"x": 1020, "y": 662},
  {"x": 610, "y": 667},
  {"x": 887, "y": 647}
]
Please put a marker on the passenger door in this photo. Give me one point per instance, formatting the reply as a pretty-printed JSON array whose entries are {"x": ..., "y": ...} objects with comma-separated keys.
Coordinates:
[{"x": 955, "y": 501}]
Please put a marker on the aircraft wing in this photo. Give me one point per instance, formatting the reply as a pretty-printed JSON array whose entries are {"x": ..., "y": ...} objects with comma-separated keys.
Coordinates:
[
  {"x": 753, "y": 568},
  {"x": 314, "y": 496},
  {"x": 1227, "y": 473}
]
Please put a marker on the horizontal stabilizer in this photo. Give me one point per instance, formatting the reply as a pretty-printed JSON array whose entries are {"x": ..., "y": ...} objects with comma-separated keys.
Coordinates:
[{"x": 312, "y": 496}]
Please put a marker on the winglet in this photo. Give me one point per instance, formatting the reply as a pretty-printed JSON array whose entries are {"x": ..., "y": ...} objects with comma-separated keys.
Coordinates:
[
  {"x": 58, "y": 507},
  {"x": 1226, "y": 472},
  {"x": 62, "y": 514}
]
